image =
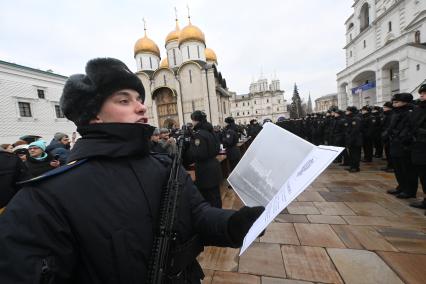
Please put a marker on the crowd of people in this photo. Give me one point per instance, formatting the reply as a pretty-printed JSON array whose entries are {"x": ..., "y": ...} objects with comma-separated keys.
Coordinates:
[{"x": 87, "y": 210}]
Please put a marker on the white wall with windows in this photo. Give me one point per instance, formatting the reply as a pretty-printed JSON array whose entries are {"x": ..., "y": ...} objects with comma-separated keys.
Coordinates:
[
  {"x": 385, "y": 47},
  {"x": 29, "y": 103}
]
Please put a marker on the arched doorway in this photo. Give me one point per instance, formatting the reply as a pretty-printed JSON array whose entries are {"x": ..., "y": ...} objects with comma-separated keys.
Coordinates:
[
  {"x": 390, "y": 80},
  {"x": 167, "y": 110},
  {"x": 364, "y": 89}
]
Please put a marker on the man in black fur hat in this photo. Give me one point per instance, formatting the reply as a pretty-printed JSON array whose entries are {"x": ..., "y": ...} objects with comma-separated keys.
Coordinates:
[
  {"x": 418, "y": 148},
  {"x": 94, "y": 220},
  {"x": 353, "y": 138},
  {"x": 400, "y": 136}
]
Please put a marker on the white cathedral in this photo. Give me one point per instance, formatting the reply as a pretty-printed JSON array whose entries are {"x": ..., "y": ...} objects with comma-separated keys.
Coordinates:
[{"x": 184, "y": 81}]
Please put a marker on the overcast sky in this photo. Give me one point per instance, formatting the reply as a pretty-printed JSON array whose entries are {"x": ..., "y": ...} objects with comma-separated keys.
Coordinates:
[{"x": 298, "y": 40}]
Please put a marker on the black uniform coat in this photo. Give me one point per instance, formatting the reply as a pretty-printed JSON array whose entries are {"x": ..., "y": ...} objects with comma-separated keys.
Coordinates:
[
  {"x": 353, "y": 135},
  {"x": 338, "y": 132},
  {"x": 400, "y": 132},
  {"x": 12, "y": 170},
  {"x": 38, "y": 167},
  {"x": 230, "y": 141},
  {"x": 95, "y": 223},
  {"x": 418, "y": 121},
  {"x": 204, "y": 148}
]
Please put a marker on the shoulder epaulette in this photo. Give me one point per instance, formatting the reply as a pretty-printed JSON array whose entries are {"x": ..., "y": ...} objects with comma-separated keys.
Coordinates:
[{"x": 54, "y": 172}]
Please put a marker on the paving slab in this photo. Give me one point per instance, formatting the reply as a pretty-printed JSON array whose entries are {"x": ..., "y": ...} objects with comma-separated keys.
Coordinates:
[
  {"x": 333, "y": 208},
  {"x": 310, "y": 196},
  {"x": 369, "y": 209},
  {"x": 208, "y": 276},
  {"x": 362, "y": 237},
  {"x": 367, "y": 220},
  {"x": 216, "y": 258},
  {"x": 288, "y": 218},
  {"x": 410, "y": 267},
  {"x": 263, "y": 259},
  {"x": 324, "y": 219},
  {"x": 280, "y": 233},
  {"x": 310, "y": 264},
  {"x": 320, "y": 235},
  {"x": 302, "y": 208},
  {"x": 221, "y": 277},
  {"x": 270, "y": 280},
  {"x": 360, "y": 267}
]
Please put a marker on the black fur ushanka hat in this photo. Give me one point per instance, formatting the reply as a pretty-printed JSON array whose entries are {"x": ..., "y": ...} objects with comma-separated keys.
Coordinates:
[{"x": 84, "y": 94}]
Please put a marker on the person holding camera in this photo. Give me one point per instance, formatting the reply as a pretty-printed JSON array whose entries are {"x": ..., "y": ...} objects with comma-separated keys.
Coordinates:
[
  {"x": 203, "y": 149},
  {"x": 95, "y": 219}
]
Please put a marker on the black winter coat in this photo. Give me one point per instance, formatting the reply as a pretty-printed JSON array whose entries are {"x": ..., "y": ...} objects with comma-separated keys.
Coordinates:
[
  {"x": 230, "y": 141},
  {"x": 353, "y": 135},
  {"x": 95, "y": 223},
  {"x": 203, "y": 149},
  {"x": 400, "y": 132},
  {"x": 338, "y": 132},
  {"x": 418, "y": 122},
  {"x": 38, "y": 167},
  {"x": 12, "y": 170},
  {"x": 385, "y": 123}
]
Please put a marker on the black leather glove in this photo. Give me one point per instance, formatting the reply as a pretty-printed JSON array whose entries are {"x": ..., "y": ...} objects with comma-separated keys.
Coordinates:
[{"x": 241, "y": 221}]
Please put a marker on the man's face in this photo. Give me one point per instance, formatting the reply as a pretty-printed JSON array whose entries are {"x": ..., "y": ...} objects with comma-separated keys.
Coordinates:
[
  {"x": 422, "y": 96},
  {"x": 398, "y": 104},
  {"x": 364, "y": 111},
  {"x": 164, "y": 136},
  {"x": 194, "y": 122},
  {"x": 35, "y": 151},
  {"x": 348, "y": 112},
  {"x": 385, "y": 109},
  {"x": 65, "y": 140},
  {"x": 123, "y": 106},
  {"x": 155, "y": 138}
]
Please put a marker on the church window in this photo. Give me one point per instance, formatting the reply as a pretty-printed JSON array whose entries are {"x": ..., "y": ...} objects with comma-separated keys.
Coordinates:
[
  {"x": 364, "y": 17},
  {"x": 389, "y": 26},
  {"x": 187, "y": 49},
  {"x": 198, "y": 51},
  {"x": 150, "y": 62},
  {"x": 418, "y": 67},
  {"x": 164, "y": 78},
  {"x": 243, "y": 104},
  {"x": 140, "y": 59},
  {"x": 365, "y": 44},
  {"x": 279, "y": 101},
  {"x": 417, "y": 37},
  {"x": 350, "y": 37},
  {"x": 174, "y": 57},
  {"x": 278, "y": 109},
  {"x": 190, "y": 76},
  {"x": 58, "y": 111},
  {"x": 238, "y": 113},
  {"x": 243, "y": 113},
  {"x": 248, "y": 103},
  {"x": 224, "y": 107},
  {"x": 267, "y": 100},
  {"x": 248, "y": 113},
  {"x": 255, "y": 102},
  {"x": 350, "y": 53},
  {"x": 193, "y": 105},
  {"x": 236, "y": 105}
]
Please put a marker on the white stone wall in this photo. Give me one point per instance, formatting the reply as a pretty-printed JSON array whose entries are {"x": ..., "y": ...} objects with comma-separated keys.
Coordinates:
[
  {"x": 394, "y": 47},
  {"x": 20, "y": 84},
  {"x": 174, "y": 57},
  {"x": 194, "y": 49},
  {"x": 147, "y": 62}
]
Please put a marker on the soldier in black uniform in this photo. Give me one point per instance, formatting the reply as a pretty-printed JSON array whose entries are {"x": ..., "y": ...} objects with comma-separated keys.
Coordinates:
[
  {"x": 203, "y": 149},
  {"x": 338, "y": 135},
  {"x": 418, "y": 149},
  {"x": 327, "y": 127},
  {"x": 401, "y": 138},
  {"x": 253, "y": 129},
  {"x": 94, "y": 220},
  {"x": 376, "y": 129},
  {"x": 385, "y": 123},
  {"x": 353, "y": 138},
  {"x": 317, "y": 129},
  {"x": 367, "y": 134},
  {"x": 230, "y": 141}
]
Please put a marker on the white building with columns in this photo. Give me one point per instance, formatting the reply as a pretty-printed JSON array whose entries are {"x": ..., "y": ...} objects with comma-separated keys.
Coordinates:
[
  {"x": 385, "y": 51},
  {"x": 187, "y": 79},
  {"x": 263, "y": 101},
  {"x": 29, "y": 103}
]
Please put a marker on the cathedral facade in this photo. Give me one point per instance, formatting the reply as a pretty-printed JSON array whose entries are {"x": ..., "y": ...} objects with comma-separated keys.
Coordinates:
[{"x": 187, "y": 79}]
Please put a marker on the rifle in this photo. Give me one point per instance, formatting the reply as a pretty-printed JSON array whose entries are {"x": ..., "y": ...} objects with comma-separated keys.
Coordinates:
[{"x": 167, "y": 234}]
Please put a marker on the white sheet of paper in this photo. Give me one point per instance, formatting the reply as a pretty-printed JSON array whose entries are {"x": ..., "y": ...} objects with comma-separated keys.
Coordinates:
[
  {"x": 313, "y": 165},
  {"x": 275, "y": 169}
]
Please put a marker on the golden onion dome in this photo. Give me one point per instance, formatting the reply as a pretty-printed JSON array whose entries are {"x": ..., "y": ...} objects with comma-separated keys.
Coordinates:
[
  {"x": 210, "y": 55},
  {"x": 146, "y": 44},
  {"x": 191, "y": 32},
  {"x": 164, "y": 63},
  {"x": 173, "y": 35}
]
